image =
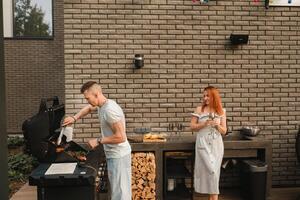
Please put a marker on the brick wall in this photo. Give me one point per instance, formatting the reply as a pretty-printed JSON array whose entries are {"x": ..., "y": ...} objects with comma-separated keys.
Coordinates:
[
  {"x": 186, "y": 47},
  {"x": 34, "y": 69}
]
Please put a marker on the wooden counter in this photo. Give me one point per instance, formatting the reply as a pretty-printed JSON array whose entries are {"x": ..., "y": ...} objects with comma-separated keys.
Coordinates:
[{"x": 252, "y": 148}]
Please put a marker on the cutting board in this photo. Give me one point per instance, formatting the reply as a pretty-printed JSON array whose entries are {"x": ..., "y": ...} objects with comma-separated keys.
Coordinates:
[{"x": 154, "y": 140}]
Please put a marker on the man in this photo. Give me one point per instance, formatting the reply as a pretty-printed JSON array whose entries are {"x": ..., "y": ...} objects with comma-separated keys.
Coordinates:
[{"x": 114, "y": 140}]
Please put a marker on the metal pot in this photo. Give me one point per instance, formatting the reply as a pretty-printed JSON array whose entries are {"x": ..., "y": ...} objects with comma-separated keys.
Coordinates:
[{"x": 250, "y": 131}]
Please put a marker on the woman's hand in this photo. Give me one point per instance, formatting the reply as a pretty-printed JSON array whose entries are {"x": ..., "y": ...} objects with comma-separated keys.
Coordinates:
[
  {"x": 69, "y": 120},
  {"x": 217, "y": 124},
  {"x": 214, "y": 123}
]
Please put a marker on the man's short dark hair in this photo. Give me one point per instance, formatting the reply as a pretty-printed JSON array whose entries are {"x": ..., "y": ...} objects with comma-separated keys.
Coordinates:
[{"x": 87, "y": 86}]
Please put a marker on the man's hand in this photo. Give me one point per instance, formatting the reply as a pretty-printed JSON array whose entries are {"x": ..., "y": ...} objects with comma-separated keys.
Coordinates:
[
  {"x": 93, "y": 143},
  {"x": 68, "y": 121}
]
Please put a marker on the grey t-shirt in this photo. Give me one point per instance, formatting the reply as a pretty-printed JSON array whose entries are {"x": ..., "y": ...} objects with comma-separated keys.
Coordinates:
[{"x": 108, "y": 114}]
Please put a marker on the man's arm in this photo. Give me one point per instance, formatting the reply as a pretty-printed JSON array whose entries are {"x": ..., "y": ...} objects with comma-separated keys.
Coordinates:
[
  {"x": 83, "y": 112},
  {"x": 118, "y": 136}
]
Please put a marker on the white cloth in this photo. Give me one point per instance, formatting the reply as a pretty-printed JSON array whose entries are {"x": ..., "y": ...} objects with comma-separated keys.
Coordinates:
[
  {"x": 65, "y": 131},
  {"x": 209, "y": 151}
]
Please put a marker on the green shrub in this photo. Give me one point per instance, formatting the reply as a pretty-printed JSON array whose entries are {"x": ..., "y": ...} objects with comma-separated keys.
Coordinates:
[
  {"x": 15, "y": 142},
  {"x": 20, "y": 165}
]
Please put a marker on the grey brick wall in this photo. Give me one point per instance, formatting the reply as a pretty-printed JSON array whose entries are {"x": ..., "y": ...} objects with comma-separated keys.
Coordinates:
[
  {"x": 186, "y": 47},
  {"x": 34, "y": 70}
]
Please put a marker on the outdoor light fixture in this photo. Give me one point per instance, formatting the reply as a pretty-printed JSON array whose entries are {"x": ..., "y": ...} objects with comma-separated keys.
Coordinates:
[
  {"x": 138, "y": 61},
  {"x": 236, "y": 39}
]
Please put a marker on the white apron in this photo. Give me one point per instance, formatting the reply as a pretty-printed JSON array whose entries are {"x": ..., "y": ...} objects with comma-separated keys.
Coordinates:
[{"x": 209, "y": 151}]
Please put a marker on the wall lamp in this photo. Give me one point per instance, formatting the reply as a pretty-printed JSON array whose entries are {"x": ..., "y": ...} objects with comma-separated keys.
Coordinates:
[
  {"x": 138, "y": 61},
  {"x": 236, "y": 39}
]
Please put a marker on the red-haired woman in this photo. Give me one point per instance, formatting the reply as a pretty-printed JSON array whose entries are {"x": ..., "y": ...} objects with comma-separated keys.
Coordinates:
[{"x": 209, "y": 120}]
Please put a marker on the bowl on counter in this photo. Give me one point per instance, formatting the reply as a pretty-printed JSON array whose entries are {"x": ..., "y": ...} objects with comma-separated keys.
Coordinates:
[
  {"x": 135, "y": 139},
  {"x": 250, "y": 131}
]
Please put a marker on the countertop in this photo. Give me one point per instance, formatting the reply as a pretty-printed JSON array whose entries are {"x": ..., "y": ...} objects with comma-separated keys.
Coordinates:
[{"x": 234, "y": 147}]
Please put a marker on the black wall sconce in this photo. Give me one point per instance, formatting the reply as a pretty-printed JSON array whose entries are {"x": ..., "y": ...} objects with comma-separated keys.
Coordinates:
[
  {"x": 236, "y": 39},
  {"x": 138, "y": 61}
]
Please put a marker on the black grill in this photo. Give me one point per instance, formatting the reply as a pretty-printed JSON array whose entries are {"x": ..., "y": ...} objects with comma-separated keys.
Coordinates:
[
  {"x": 40, "y": 133},
  {"x": 40, "y": 128}
]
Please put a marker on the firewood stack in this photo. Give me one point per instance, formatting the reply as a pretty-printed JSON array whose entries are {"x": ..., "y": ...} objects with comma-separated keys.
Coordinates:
[{"x": 143, "y": 176}]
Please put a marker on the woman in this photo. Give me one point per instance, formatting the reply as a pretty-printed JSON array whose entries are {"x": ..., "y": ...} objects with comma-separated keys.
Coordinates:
[{"x": 209, "y": 120}]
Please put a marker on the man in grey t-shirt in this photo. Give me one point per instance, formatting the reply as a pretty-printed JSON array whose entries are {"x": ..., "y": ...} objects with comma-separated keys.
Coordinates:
[{"x": 114, "y": 140}]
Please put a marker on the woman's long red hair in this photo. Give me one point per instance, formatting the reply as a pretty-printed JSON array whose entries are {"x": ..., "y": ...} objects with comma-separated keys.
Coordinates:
[{"x": 215, "y": 102}]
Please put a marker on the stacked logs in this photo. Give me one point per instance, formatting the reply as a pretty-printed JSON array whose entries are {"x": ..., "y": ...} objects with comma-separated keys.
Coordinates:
[{"x": 143, "y": 176}]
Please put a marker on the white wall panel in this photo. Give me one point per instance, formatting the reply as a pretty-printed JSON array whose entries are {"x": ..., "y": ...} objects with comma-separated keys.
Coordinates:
[{"x": 7, "y": 18}]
